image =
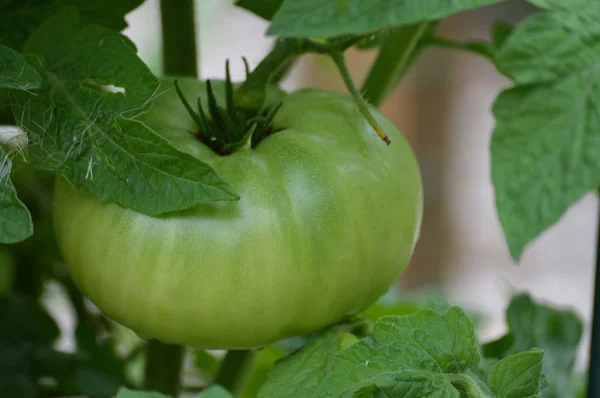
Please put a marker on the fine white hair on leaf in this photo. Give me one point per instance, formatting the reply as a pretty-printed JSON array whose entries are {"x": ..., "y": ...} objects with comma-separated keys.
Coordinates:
[
  {"x": 5, "y": 168},
  {"x": 15, "y": 140},
  {"x": 89, "y": 175}
]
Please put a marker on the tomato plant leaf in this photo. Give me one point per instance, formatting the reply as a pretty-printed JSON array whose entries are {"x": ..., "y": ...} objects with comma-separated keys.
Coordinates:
[
  {"x": 77, "y": 129},
  {"x": 205, "y": 362},
  {"x": 558, "y": 4},
  {"x": 264, "y": 362},
  {"x": 26, "y": 335},
  {"x": 15, "y": 72},
  {"x": 127, "y": 393},
  {"x": 298, "y": 374},
  {"x": 16, "y": 379},
  {"x": 425, "y": 354},
  {"x": 409, "y": 356},
  {"x": 518, "y": 375},
  {"x": 557, "y": 332},
  {"x": 500, "y": 33},
  {"x": 263, "y": 8},
  {"x": 15, "y": 219},
  {"x": 215, "y": 392},
  {"x": 316, "y": 18},
  {"x": 148, "y": 173},
  {"x": 546, "y": 144},
  {"x": 22, "y": 319},
  {"x": 19, "y": 19}
]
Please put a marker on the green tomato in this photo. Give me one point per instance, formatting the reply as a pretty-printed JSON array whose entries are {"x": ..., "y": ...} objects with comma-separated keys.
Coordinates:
[{"x": 328, "y": 219}]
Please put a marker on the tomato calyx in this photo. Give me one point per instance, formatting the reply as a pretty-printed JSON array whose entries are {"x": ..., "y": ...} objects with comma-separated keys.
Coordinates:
[{"x": 227, "y": 129}]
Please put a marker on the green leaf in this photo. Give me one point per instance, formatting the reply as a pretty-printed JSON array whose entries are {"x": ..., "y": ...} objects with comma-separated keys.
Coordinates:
[
  {"x": 499, "y": 347},
  {"x": 126, "y": 393},
  {"x": 378, "y": 39},
  {"x": 77, "y": 127},
  {"x": 263, "y": 8},
  {"x": 19, "y": 18},
  {"x": 559, "y": 4},
  {"x": 205, "y": 362},
  {"x": 419, "y": 355},
  {"x": 151, "y": 176},
  {"x": 378, "y": 310},
  {"x": 7, "y": 270},
  {"x": 262, "y": 365},
  {"x": 546, "y": 144},
  {"x": 22, "y": 319},
  {"x": 316, "y": 18},
  {"x": 15, "y": 220},
  {"x": 403, "y": 303},
  {"x": 500, "y": 33},
  {"x": 26, "y": 335},
  {"x": 26, "y": 331},
  {"x": 557, "y": 332},
  {"x": 410, "y": 356},
  {"x": 519, "y": 375},
  {"x": 478, "y": 47},
  {"x": 16, "y": 373},
  {"x": 104, "y": 372},
  {"x": 215, "y": 392},
  {"x": 15, "y": 72},
  {"x": 297, "y": 375},
  {"x": 95, "y": 383}
]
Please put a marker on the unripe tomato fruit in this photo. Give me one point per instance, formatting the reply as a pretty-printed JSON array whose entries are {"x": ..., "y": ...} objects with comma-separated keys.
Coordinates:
[{"x": 328, "y": 219}]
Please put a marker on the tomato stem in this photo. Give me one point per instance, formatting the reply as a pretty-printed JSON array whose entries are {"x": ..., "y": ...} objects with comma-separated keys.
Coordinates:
[
  {"x": 392, "y": 62},
  {"x": 338, "y": 58},
  {"x": 234, "y": 370},
  {"x": 163, "y": 367},
  {"x": 251, "y": 94},
  {"x": 165, "y": 361},
  {"x": 178, "y": 38}
]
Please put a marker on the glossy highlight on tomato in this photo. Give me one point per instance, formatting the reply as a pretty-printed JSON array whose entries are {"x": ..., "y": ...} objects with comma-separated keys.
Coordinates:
[{"x": 327, "y": 221}]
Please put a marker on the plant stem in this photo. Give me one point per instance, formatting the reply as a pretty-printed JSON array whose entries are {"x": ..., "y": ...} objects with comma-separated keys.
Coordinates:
[
  {"x": 251, "y": 94},
  {"x": 392, "y": 62},
  {"x": 338, "y": 58},
  {"x": 163, "y": 367},
  {"x": 165, "y": 361},
  {"x": 235, "y": 368},
  {"x": 594, "y": 368},
  {"x": 178, "y": 37},
  {"x": 470, "y": 386},
  {"x": 477, "y": 47}
]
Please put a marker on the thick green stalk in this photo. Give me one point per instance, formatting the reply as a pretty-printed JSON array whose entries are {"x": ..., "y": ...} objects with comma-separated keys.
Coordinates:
[
  {"x": 178, "y": 37},
  {"x": 165, "y": 361},
  {"x": 392, "y": 62},
  {"x": 234, "y": 370},
  {"x": 163, "y": 367},
  {"x": 251, "y": 94}
]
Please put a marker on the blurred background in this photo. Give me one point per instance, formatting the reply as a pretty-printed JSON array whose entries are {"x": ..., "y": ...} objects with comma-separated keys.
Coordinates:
[{"x": 444, "y": 107}]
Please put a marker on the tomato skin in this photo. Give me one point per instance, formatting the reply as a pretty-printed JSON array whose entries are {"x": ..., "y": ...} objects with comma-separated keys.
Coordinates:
[{"x": 327, "y": 221}]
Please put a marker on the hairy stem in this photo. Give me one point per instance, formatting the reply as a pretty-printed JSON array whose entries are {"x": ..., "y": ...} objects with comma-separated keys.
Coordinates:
[
  {"x": 392, "y": 62},
  {"x": 163, "y": 367},
  {"x": 178, "y": 38},
  {"x": 234, "y": 370},
  {"x": 338, "y": 58},
  {"x": 251, "y": 94}
]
